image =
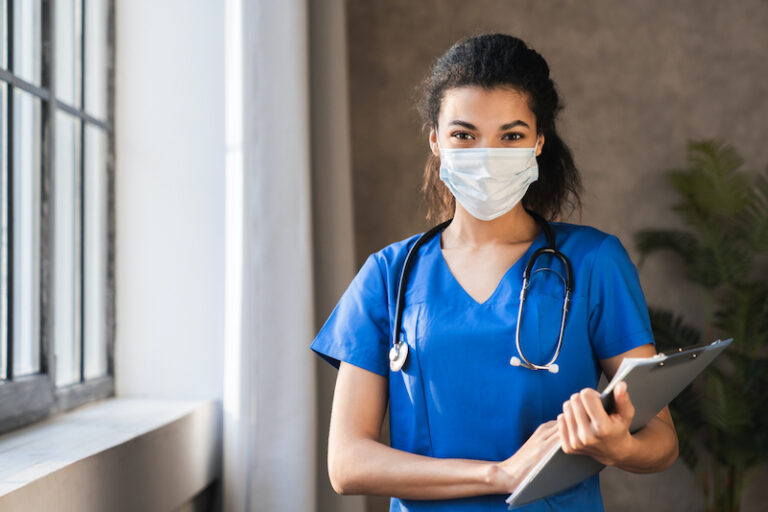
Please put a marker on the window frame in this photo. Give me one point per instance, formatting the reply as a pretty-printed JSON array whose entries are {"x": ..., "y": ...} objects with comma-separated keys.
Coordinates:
[{"x": 28, "y": 398}]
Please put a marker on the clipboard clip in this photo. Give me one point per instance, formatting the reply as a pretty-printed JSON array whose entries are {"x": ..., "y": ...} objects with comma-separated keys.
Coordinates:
[{"x": 692, "y": 351}]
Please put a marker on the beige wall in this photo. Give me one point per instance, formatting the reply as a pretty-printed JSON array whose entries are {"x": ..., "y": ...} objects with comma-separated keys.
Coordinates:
[{"x": 638, "y": 78}]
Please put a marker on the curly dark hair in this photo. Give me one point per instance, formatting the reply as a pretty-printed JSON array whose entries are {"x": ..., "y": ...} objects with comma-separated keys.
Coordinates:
[{"x": 501, "y": 60}]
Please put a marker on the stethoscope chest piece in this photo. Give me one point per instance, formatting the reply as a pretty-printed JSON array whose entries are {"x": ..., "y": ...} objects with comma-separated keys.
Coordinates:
[{"x": 397, "y": 356}]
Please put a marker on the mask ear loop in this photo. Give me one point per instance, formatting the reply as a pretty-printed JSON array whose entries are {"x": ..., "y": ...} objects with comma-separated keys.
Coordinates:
[{"x": 437, "y": 138}]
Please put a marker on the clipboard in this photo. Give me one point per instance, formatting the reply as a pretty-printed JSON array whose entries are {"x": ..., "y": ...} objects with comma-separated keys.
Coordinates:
[{"x": 652, "y": 382}]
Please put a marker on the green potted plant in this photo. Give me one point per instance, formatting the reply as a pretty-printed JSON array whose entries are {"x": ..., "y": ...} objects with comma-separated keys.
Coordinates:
[{"x": 722, "y": 418}]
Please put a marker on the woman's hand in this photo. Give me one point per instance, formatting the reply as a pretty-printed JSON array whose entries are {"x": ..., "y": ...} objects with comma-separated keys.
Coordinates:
[
  {"x": 585, "y": 428},
  {"x": 508, "y": 474}
]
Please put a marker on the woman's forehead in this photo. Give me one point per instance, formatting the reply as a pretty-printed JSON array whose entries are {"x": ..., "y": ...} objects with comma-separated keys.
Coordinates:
[{"x": 487, "y": 106}]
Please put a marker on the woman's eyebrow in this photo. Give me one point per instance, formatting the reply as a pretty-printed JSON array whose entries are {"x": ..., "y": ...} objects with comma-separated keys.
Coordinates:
[
  {"x": 513, "y": 124},
  {"x": 465, "y": 124},
  {"x": 470, "y": 126}
]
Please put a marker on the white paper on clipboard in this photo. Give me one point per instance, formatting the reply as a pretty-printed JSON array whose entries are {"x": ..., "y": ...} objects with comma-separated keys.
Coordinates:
[{"x": 652, "y": 382}]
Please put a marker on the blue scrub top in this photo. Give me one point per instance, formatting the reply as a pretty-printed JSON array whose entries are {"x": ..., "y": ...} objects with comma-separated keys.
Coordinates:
[{"x": 458, "y": 396}]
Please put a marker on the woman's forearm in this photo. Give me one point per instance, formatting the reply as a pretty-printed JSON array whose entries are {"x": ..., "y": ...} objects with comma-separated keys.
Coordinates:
[
  {"x": 366, "y": 466},
  {"x": 652, "y": 448},
  {"x": 359, "y": 464}
]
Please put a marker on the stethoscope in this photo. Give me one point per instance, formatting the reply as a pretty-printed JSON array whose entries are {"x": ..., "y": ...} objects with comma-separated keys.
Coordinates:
[{"x": 399, "y": 351}]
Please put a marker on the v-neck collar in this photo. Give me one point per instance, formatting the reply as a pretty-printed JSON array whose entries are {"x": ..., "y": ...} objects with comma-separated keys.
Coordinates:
[{"x": 518, "y": 265}]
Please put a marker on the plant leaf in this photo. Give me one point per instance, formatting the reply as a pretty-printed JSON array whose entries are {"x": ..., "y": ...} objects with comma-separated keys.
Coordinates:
[
  {"x": 681, "y": 243},
  {"x": 670, "y": 330},
  {"x": 743, "y": 314},
  {"x": 711, "y": 185},
  {"x": 753, "y": 220}
]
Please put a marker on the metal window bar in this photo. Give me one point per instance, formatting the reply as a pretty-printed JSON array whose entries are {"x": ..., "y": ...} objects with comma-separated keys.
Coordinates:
[
  {"x": 47, "y": 348},
  {"x": 80, "y": 324},
  {"x": 9, "y": 167}
]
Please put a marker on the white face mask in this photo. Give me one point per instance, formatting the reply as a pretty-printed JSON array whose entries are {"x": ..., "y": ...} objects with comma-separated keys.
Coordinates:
[{"x": 488, "y": 182}]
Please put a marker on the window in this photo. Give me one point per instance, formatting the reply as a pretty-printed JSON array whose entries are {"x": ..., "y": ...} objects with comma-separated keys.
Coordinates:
[{"x": 56, "y": 194}]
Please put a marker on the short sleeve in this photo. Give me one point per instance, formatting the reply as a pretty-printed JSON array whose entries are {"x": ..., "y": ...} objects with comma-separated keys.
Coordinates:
[
  {"x": 357, "y": 331},
  {"x": 618, "y": 314}
]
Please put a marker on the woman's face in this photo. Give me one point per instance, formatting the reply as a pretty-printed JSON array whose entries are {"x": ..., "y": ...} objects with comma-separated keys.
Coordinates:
[{"x": 474, "y": 117}]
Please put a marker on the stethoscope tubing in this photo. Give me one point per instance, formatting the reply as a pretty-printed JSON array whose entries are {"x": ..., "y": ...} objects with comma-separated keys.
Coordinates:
[
  {"x": 399, "y": 348},
  {"x": 398, "y": 344}
]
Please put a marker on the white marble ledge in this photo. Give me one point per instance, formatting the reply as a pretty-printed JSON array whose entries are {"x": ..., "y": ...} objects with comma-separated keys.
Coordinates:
[{"x": 36, "y": 451}]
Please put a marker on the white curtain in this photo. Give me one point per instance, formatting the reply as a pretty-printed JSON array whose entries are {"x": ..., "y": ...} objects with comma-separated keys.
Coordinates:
[
  {"x": 334, "y": 258},
  {"x": 288, "y": 174},
  {"x": 269, "y": 389}
]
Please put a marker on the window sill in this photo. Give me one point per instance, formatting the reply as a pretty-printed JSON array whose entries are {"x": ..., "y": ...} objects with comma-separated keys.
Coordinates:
[{"x": 115, "y": 454}]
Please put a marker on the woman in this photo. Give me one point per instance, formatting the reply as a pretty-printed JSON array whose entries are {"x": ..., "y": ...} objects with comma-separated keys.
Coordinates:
[{"x": 469, "y": 416}]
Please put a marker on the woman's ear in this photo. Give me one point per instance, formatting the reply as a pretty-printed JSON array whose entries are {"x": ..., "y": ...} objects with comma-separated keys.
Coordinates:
[
  {"x": 433, "y": 142},
  {"x": 541, "y": 144}
]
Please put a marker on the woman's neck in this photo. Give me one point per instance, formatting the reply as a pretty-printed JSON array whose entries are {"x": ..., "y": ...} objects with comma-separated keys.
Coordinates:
[{"x": 515, "y": 226}]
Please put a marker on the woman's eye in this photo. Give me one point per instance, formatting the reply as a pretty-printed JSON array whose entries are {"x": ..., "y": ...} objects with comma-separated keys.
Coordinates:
[
  {"x": 462, "y": 135},
  {"x": 512, "y": 136}
]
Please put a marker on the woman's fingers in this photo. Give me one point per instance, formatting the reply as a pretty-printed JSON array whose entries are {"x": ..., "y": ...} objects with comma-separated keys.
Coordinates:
[
  {"x": 577, "y": 427},
  {"x": 551, "y": 435},
  {"x": 562, "y": 430},
  {"x": 550, "y": 427},
  {"x": 546, "y": 436},
  {"x": 545, "y": 430},
  {"x": 594, "y": 408},
  {"x": 624, "y": 407},
  {"x": 573, "y": 427},
  {"x": 584, "y": 429},
  {"x": 552, "y": 440}
]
